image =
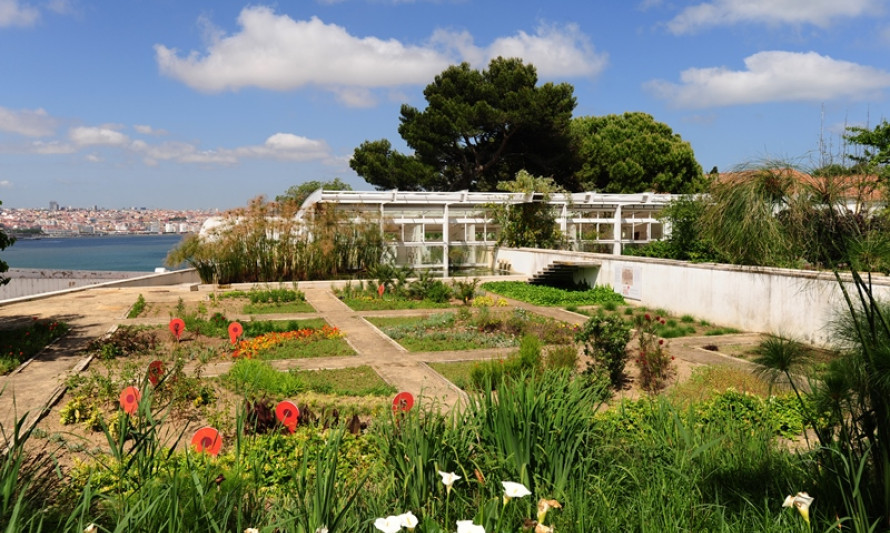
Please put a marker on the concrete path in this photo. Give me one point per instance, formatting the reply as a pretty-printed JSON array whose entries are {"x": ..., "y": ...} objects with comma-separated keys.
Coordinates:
[{"x": 91, "y": 313}]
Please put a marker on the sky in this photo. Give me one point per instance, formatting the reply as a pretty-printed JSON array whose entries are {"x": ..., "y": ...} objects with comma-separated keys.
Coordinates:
[{"x": 206, "y": 104}]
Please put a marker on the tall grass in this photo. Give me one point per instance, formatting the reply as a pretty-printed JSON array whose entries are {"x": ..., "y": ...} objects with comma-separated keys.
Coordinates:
[{"x": 265, "y": 242}]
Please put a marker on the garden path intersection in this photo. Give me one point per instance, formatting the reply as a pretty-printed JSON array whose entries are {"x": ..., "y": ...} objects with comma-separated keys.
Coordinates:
[{"x": 38, "y": 384}]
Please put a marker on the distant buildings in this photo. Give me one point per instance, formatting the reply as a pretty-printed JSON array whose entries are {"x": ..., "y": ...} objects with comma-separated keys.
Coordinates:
[{"x": 57, "y": 221}]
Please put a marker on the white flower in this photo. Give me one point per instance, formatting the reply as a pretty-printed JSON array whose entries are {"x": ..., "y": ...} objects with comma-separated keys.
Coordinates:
[
  {"x": 448, "y": 479},
  {"x": 408, "y": 520},
  {"x": 92, "y": 528},
  {"x": 322, "y": 529},
  {"x": 467, "y": 526},
  {"x": 541, "y": 528},
  {"x": 251, "y": 530},
  {"x": 802, "y": 502},
  {"x": 514, "y": 490},
  {"x": 390, "y": 524}
]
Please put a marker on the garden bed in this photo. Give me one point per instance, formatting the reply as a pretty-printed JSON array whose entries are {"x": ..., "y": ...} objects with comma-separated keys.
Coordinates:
[{"x": 467, "y": 329}]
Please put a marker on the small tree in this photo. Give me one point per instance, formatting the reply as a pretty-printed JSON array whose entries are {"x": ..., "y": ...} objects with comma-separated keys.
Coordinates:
[
  {"x": 604, "y": 340},
  {"x": 532, "y": 223}
]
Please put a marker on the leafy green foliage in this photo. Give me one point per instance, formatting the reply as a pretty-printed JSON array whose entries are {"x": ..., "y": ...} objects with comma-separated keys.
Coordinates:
[
  {"x": 686, "y": 241},
  {"x": 633, "y": 153},
  {"x": 528, "y": 224},
  {"x": 138, "y": 307},
  {"x": 297, "y": 194},
  {"x": 604, "y": 340},
  {"x": 551, "y": 296},
  {"x": 24, "y": 342},
  {"x": 479, "y": 128},
  {"x": 257, "y": 379}
]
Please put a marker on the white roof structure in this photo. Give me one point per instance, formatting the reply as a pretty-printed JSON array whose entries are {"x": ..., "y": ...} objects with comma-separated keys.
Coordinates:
[{"x": 443, "y": 230}]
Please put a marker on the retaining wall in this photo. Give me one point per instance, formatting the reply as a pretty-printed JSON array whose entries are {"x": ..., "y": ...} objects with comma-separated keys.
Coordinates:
[
  {"x": 796, "y": 303},
  {"x": 29, "y": 284}
]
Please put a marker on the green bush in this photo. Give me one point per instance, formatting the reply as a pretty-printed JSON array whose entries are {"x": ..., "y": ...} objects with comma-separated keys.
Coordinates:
[{"x": 604, "y": 340}]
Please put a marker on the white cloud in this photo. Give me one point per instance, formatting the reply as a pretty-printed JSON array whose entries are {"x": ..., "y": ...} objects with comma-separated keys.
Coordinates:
[
  {"x": 555, "y": 51},
  {"x": 51, "y": 148},
  {"x": 148, "y": 130},
  {"x": 6, "y": 184},
  {"x": 771, "y": 12},
  {"x": 31, "y": 123},
  {"x": 93, "y": 158},
  {"x": 277, "y": 52},
  {"x": 287, "y": 146},
  {"x": 355, "y": 97},
  {"x": 773, "y": 76},
  {"x": 90, "y": 136},
  {"x": 15, "y": 13}
]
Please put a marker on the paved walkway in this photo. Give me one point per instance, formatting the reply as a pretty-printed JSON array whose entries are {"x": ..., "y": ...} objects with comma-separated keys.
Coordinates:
[{"x": 38, "y": 384}]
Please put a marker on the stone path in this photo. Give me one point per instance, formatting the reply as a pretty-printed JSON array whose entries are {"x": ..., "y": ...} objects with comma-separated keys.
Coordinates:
[{"x": 38, "y": 384}]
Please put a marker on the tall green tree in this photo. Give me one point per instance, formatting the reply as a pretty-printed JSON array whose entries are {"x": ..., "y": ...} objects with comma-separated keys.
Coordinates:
[
  {"x": 298, "y": 193},
  {"x": 480, "y": 127},
  {"x": 633, "y": 153},
  {"x": 875, "y": 156},
  {"x": 5, "y": 242}
]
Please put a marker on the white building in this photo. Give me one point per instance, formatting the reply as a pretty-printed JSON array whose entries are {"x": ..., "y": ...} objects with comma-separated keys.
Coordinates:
[{"x": 442, "y": 230}]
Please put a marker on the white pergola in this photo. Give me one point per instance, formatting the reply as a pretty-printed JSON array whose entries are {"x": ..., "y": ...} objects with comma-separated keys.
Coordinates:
[{"x": 440, "y": 230}]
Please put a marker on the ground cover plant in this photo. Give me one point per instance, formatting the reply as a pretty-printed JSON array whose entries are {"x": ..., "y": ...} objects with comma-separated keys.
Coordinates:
[
  {"x": 392, "y": 289},
  {"x": 670, "y": 327},
  {"x": 257, "y": 379},
  {"x": 24, "y": 341},
  {"x": 551, "y": 296},
  {"x": 268, "y": 300},
  {"x": 468, "y": 330}
]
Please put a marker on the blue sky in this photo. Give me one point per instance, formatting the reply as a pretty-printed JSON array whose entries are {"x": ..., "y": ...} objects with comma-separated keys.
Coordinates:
[{"x": 206, "y": 104}]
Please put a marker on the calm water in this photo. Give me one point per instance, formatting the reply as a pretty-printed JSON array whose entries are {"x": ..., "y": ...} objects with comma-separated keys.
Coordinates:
[{"x": 130, "y": 253}]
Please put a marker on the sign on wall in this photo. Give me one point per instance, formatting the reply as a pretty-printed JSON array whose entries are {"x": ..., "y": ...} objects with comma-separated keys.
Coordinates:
[{"x": 629, "y": 281}]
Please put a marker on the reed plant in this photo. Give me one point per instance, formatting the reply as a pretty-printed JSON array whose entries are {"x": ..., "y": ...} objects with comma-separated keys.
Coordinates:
[{"x": 266, "y": 242}]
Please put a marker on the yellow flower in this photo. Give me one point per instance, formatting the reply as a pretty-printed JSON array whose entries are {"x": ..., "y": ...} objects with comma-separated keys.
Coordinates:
[
  {"x": 802, "y": 502},
  {"x": 541, "y": 528}
]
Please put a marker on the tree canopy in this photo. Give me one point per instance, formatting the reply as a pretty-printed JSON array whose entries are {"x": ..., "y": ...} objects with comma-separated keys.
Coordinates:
[
  {"x": 633, "y": 153},
  {"x": 298, "y": 193},
  {"x": 479, "y": 128},
  {"x": 876, "y": 147}
]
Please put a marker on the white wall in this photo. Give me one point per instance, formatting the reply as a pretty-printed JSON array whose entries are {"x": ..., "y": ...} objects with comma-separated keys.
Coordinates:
[{"x": 797, "y": 303}]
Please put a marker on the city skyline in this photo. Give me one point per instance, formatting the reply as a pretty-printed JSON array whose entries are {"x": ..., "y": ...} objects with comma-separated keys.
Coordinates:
[{"x": 206, "y": 105}]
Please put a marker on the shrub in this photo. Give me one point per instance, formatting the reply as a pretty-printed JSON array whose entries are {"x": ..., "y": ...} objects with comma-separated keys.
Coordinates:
[
  {"x": 604, "y": 339},
  {"x": 652, "y": 360}
]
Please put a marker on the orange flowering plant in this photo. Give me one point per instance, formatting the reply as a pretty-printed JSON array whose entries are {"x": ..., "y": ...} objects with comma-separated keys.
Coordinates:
[{"x": 252, "y": 347}]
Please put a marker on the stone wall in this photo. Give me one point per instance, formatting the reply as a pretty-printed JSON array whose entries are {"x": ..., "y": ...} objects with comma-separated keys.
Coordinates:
[{"x": 796, "y": 303}]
